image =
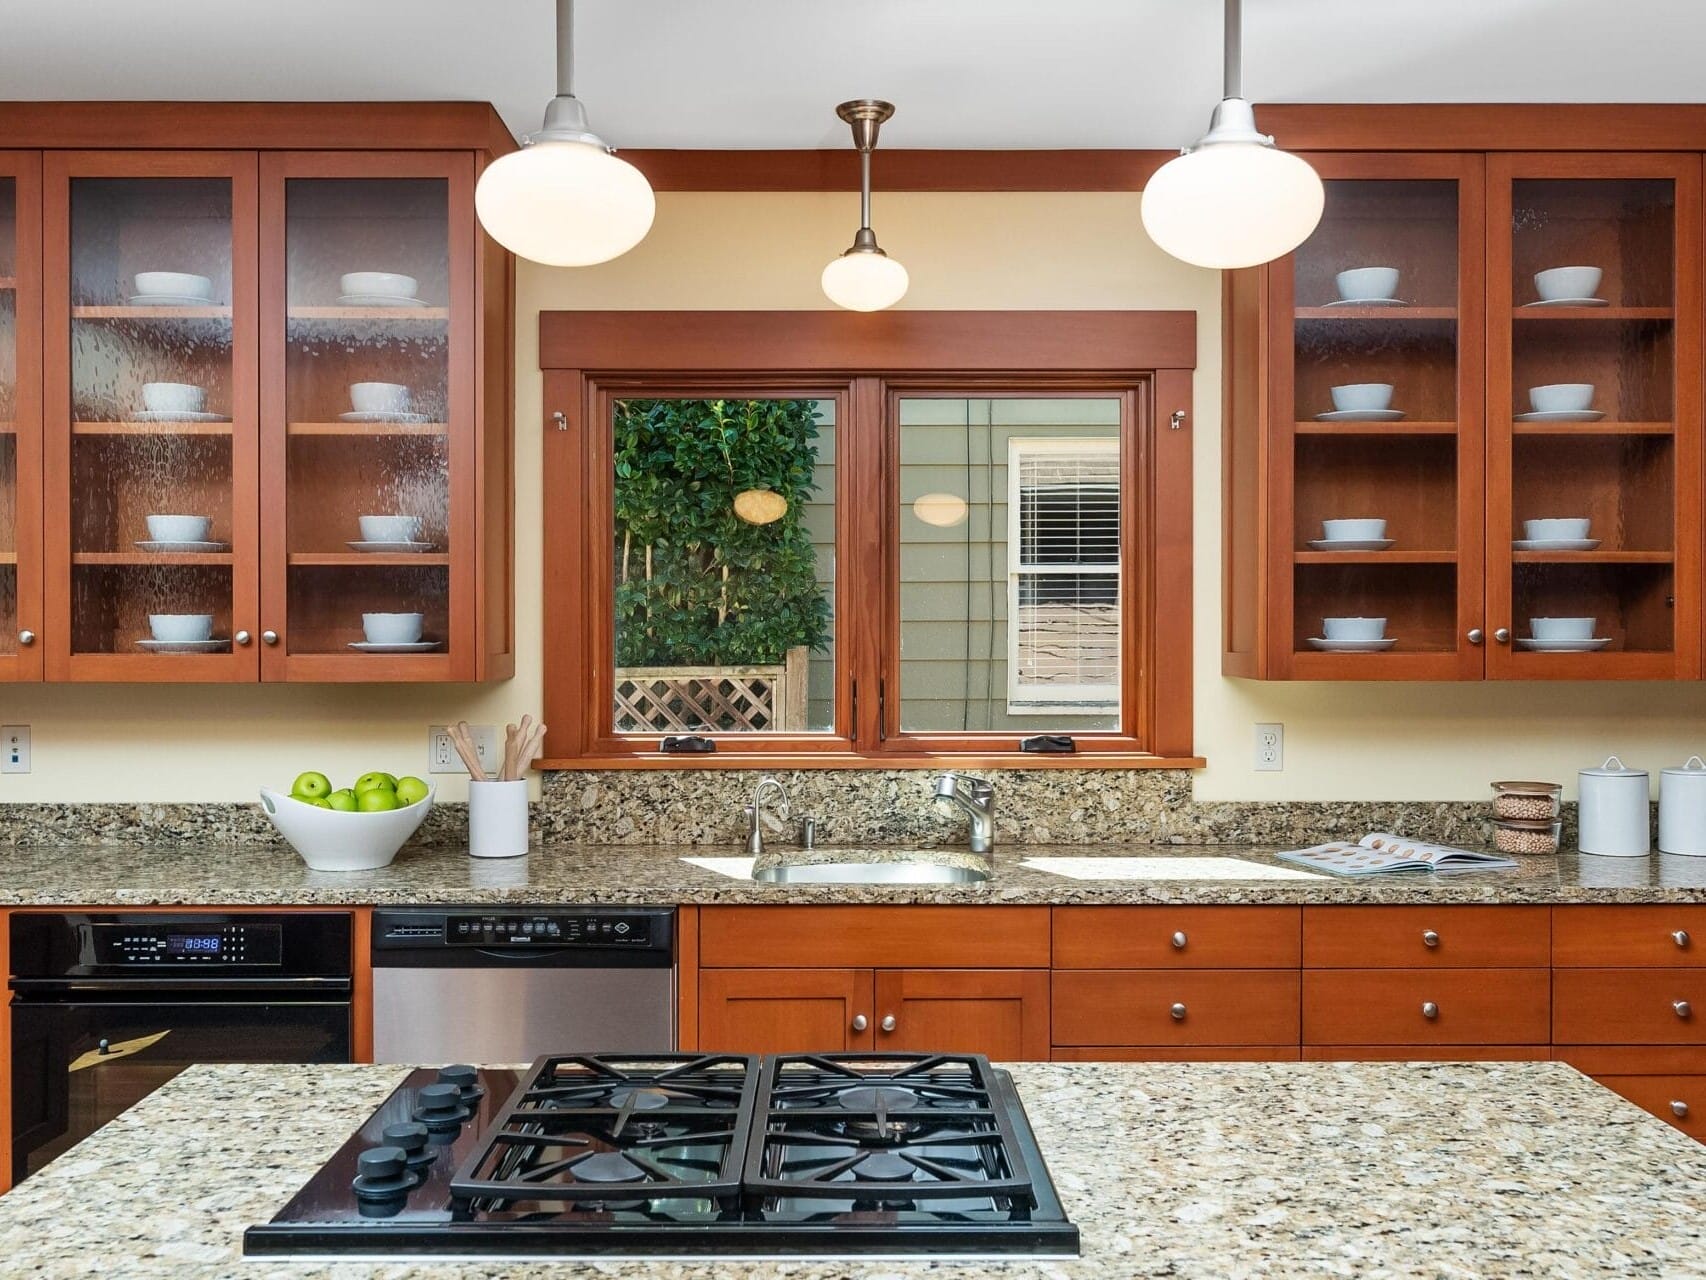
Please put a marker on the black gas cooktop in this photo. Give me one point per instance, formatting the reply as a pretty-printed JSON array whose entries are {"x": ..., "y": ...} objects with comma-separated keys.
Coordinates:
[{"x": 605, "y": 1155}]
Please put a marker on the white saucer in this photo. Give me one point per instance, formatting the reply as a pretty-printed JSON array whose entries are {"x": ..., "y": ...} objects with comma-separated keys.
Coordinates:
[
  {"x": 1368, "y": 302},
  {"x": 377, "y": 300},
  {"x": 1555, "y": 544},
  {"x": 1351, "y": 544},
  {"x": 1353, "y": 646},
  {"x": 419, "y": 646},
  {"x": 1569, "y": 302},
  {"x": 391, "y": 546},
  {"x": 1563, "y": 646},
  {"x": 383, "y": 417},
  {"x": 1361, "y": 415},
  {"x": 185, "y": 646},
  {"x": 1561, "y": 415},
  {"x": 169, "y": 300},
  {"x": 160, "y": 415},
  {"x": 194, "y": 547}
]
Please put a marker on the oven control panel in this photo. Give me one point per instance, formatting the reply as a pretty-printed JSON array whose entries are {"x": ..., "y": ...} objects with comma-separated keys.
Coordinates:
[{"x": 177, "y": 945}]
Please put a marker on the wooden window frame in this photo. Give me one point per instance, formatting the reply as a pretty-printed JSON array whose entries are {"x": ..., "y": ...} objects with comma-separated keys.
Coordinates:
[{"x": 865, "y": 363}]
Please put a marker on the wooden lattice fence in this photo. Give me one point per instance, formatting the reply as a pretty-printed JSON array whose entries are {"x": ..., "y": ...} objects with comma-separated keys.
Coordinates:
[{"x": 751, "y": 699}]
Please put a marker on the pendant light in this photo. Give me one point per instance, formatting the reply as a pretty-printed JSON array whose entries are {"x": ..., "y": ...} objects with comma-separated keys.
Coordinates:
[
  {"x": 1234, "y": 199},
  {"x": 564, "y": 199},
  {"x": 865, "y": 278}
]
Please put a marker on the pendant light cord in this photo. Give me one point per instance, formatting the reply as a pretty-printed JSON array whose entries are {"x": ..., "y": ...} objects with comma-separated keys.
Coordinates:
[
  {"x": 1232, "y": 39},
  {"x": 566, "y": 48}
]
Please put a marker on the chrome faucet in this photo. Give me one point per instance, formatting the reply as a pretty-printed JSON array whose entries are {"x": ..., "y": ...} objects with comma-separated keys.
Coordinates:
[
  {"x": 755, "y": 811},
  {"x": 977, "y": 797}
]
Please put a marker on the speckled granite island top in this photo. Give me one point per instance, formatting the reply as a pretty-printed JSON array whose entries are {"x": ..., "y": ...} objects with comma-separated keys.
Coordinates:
[
  {"x": 1211, "y": 1170},
  {"x": 128, "y": 875}
]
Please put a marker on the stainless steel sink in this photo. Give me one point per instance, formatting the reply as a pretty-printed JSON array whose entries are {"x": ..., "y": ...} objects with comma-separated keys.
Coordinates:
[{"x": 897, "y": 872}]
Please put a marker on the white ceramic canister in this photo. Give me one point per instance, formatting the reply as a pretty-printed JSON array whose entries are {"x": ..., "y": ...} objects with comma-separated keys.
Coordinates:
[
  {"x": 497, "y": 819},
  {"x": 1682, "y": 808},
  {"x": 1616, "y": 811}
]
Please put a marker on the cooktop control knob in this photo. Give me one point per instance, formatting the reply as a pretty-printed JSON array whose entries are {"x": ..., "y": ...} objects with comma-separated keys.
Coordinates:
[
  {"x": 381, "y": 1173},
  {"x": 439, "y": 1106},
  {"x": 411, "y": 1139},
  {"x": 465, "y": 1078}
]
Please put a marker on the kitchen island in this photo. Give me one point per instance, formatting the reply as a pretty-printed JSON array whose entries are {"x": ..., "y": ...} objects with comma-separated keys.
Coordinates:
[{"x": 1213, "y": 1170}]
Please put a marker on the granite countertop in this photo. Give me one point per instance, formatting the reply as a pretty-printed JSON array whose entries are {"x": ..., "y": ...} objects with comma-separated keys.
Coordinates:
[
  {"x": 189, "y": 874},
  {"x": 1212, "y": 1170}
]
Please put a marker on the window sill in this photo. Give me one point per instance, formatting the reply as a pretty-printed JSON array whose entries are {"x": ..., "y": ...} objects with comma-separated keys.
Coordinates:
[{"x": 850, "y": 760}]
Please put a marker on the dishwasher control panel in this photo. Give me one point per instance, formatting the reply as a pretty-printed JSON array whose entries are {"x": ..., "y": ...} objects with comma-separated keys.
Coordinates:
[{"x": 578, "y": 928}]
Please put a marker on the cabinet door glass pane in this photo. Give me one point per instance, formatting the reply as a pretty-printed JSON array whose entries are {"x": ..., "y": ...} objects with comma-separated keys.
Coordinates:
[
  {"x": 1376, "y": 437},
  {"x": 368, "y": 416},
  {"x": 151, "y": 404},
  {"x": 1010, "y": 564},
  {"x": 8, "y": 414},
  {"x": 1593, "y": 438},
  {"x": 724, "y": 566}
]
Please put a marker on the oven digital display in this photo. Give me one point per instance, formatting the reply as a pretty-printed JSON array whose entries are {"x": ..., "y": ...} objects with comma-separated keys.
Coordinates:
[{"x": 192, "y": 944}]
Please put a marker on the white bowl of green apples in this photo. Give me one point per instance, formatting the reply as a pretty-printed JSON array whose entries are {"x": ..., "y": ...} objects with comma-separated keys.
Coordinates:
[{"x": 355, "y": 828}]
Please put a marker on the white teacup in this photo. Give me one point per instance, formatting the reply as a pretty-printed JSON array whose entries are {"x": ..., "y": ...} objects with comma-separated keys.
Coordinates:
[
  {"x": 173, "y": 397},
  {"x": 392, "y": 628},
  {"x": 1554, "y": 529},
  {"x": 1558, "y": 283},
  {"x": 1561, "y": 397},
  {"x": 379, "y": 397},
  {"x": 1367, "y": 283},
  {"x": 179, "y": 528},
  {"x": 1353, "y": 530},
  {"x": 1354, "y": 628},
  {"x": 173, "y": 284},
  {"x": 1561, "y": 628},
  {"x": 181, "y": 628},
  {"x": 378, "y": 284},
  {"x": 1362, "y": 397},
  {"x": 390, "y": 528}
]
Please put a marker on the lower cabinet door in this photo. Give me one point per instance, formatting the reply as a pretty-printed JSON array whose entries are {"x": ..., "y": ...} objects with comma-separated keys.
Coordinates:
[
  {"x": 1002, "y": 1013},
  {"x": 784, "y": 1010}
]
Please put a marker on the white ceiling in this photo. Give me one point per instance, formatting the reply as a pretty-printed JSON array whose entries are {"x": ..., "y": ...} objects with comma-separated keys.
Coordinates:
[{"x": 768, "y": 73}]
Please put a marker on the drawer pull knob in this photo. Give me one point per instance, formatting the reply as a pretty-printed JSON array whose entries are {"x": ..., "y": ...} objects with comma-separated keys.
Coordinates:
[
  {"x": 1178, "y": 1012},
  {"x": 26, "y": 637},
  {"x": 1179, "y": 941},
  {"x": 1430, "y": 938},
  {"x": 1430, "y": 1009},
  {"x": 1679, "y": 1108},
  {"x": 860, "y": 1022},
  {"x": 888, "y": 1023},
  {"x": 1680, "y": 937},
  {"x": 1683, "y": 1008}
]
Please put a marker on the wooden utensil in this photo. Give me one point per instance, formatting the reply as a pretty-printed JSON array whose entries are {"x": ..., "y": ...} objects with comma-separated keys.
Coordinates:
[{"x": 463, "y": 740}]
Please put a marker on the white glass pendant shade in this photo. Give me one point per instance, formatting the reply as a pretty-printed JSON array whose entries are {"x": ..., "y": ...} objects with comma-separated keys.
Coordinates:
[
  {"x": 862, "y": 281},
  {"x": 1232, "y": 205},
  {"x": 565, "y": 204}
]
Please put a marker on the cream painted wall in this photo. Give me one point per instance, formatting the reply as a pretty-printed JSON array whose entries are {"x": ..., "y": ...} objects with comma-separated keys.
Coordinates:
[{"x": 741, "y": 251}]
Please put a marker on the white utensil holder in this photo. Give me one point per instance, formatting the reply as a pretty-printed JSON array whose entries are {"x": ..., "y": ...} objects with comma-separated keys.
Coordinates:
[{"x": 497, "y": 819}]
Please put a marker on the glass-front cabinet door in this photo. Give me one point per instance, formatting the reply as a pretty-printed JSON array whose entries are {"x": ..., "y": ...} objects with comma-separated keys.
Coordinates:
[
  {"x": 1594, "y": 355},
  {"x": 368, "y": 406},
  {"x": 151, "y": 415},
  {"x": 20, "y": 417},
  {"x": 1375, "y": 548}
]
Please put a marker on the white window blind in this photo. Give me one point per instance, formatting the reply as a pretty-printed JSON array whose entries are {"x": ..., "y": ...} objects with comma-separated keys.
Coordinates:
[{"x": 1063, "y": 520}]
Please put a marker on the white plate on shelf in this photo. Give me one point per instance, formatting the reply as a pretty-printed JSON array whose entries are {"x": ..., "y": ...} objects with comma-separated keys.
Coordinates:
[
  {"x": 1368, "y": 302},
  {"x": 1568, "y": 302},
  {"x": 195, "y": 548},
  {"x": 419, "y": 646},
  {"x": 377, "y": 300},
  {"x": 1353, "y": 646},
  {"x": 383, "y": 417},
  {"x": 391, "y": 546},
  {"x": 176, "y": 415},
  {"x": 1561, "y": 415},
  {"x": 169, "y": 300},
  {"x": 1360, "y": 415},
  {"x": 1555, "y": 544},
  {"x": 1564, "y": 646},
  {"x": 185, "y": 646},
  {"x": 1351, "y": 544}
]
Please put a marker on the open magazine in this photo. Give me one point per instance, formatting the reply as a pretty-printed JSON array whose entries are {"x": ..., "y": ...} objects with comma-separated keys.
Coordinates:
[{"x": 1380, "y": 852}]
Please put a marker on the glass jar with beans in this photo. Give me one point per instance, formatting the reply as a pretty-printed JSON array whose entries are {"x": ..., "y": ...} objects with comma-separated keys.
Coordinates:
[{"x": 1526, "y": 816}]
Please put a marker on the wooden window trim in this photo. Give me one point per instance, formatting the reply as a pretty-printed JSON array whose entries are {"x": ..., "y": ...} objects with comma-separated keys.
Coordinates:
[{"x": 863, "y": 361}]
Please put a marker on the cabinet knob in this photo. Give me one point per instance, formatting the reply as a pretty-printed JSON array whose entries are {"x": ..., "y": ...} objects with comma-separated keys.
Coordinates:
[
  {"x": 1683, "y": 1008},
  {"x": 242, "y": 637},
  {"x": 1679, "y": 1108},
  {"x": 1680, "y": 937},
  {"x": 26, "y": 638},
  {"x": 1503, "y": 635},
  {"x": 1430, "y": 938},
  {"x": 888, "y": 1023},
  {"x": 860, "y": 1022},
  {"x": 1178, "y": 1012},
  {"x": 1430, "y": 1009},
  {"x": 1179, "y": 941},
  {"x": 1475, "y": 635},
  {"x": 269, "y": 637}
]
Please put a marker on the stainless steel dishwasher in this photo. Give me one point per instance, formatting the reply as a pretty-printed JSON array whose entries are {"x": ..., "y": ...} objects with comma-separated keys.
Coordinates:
[{"x": 477, "y": 984}]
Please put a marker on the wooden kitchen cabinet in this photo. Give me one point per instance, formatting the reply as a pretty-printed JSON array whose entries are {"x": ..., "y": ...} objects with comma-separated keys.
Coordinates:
[
  {"x": 1003, "y": 1013},
  {"x": 1454, "y": 937},
  {"x": 1175, "y": 1008},
  {"x": 1427, "y": 1006},
  {"x": 794, "y": 1011},
  {"x": 20, "y": 417}
]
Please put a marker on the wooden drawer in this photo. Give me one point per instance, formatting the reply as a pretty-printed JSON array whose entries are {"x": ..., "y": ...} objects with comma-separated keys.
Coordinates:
[
  {"x": 1426, "y": 1052},
  {"x": 1175, "y": 937},
  {"x": 1175, "y": 1053},
  {"x": 874, "y": 937},
  {"x": 1392, "y": 1006},
  {"x": 1629, "y": 1006},
  {"x": 1609, "y": 937},
  {"x": 1426, "y": 937},
  {"x": 1634, "y": 1059},
  {"x": 1175, "y": 1007},
  {"x": 1677, "y": 1100}
]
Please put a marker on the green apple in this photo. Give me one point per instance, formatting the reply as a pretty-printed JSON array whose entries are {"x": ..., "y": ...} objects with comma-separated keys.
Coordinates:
[
  {"x": 342, "y": 799},
  {"x": 368, "y": 781},
  {"x": 319, "y": 802},
  {"x": 376, "y": 800},
  {"x": 310, "y": 786},
  {"x": 410, "y": 790}
]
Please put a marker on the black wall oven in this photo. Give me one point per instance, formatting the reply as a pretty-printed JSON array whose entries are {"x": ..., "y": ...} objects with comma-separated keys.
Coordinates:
[{"x": 108, "y": 1007}]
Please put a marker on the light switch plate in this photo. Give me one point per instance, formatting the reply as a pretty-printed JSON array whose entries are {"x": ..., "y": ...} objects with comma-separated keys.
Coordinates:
[
  {"x": 442, "y": 757},
  {"x": 14, "y": 748},
  {"x": 1270, "y": 748}
]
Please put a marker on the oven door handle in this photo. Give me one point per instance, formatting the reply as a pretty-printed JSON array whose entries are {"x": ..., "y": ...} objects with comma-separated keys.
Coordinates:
[{"x": 49, "y": 987}]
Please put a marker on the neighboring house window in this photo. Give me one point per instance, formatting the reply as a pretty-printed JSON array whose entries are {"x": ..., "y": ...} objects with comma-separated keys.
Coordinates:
[{"x": 1063, "y": 579}]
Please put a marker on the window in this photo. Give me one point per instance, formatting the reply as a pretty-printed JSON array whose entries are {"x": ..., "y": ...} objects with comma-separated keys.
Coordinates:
[{"x": 788, "y": 559}]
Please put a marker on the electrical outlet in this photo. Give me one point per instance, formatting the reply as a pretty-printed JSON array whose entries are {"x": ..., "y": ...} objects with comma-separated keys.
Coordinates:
[
  {"x": 442, "y": 757},
  {"x": 1270, "y": 748},
  {"x": 14, "y": 748}
]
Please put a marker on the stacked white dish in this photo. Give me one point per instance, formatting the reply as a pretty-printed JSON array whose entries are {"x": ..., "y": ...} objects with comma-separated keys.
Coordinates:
[
  {"x": 380, "y": 402},
  {"x": 183, "y": 633},
  {"x": 1567, "y": 287},
  {"x": 1561, "y": 402},
  {"x": 175, "y": 402},
  {"x": 1562, "y": 635},
  {"x": 171, "y": 289},
  {"x": 1368, "y": 287},
  {"x": 1352, "y": 535},
  {"x": 1353, "y": 635},
  {"x": 1556, "y": 534},
  {"x": 390, "y": 534},
  {"x": 181, "y": 534},
  {"x": 393, "y": 633},
  {"x": 1362, "y": 402},
  {"x": 378, "y": 289}
]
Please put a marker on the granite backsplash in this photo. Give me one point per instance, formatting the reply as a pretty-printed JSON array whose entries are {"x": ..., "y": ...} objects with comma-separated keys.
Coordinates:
[{"x": 703, "y": 807}]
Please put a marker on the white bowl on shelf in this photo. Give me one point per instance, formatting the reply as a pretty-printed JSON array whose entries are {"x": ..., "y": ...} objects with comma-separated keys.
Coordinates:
[
  {"x": 181, "y": 628},
  {"x": 339, "y": 840},
  {"x": 1353, "y": 628},
  {"x": 179, "y": 528},
  {"x": 173, "y": 284},
  {"x": 1367, "y": 284},
  {"x": 393, "y": 628},
  {"x": 1556, "y": 529},
  {"x": 173, "y": 397},
  {"x": 377, "y": 284},
  {"x": 1353, "y": 530},
  {"x": 390, "y": 528},
  {"x": 1557, "y": 284},
  {"x": 1362, "y": 397},
  {"x": 379, "y": 397},
  {"x": 1561, "y": 628},
  {"x": 1561, "y": 397}
]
